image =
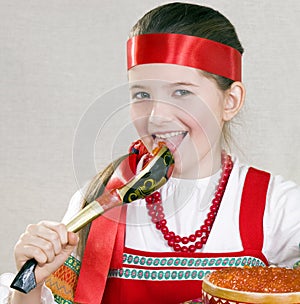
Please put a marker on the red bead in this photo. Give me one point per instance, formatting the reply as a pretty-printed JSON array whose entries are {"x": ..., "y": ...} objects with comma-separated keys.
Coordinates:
[
  {"x": 208, "y": 222},
  {"x": 167, "y": 236},
  {"x": 163, "y": 222},
  {"x": 221, "y": 189},
  {"x": 154, "y": 219},
  {"x": 204, "y": 228},
  {"x": 161, "y": 216},
  {"x": 171, "y": 243},
  {"x": 192, "y": 238},
  {"x": 184, "y": 240},
  {"x": 150, "y": 207},
  {"x": 204, "y": 240},
  {"x": 218, "y": 195},
  {"x": 198, "y": 233},
  {"x": 213, "y": 208},
  {"x": 223, "y": 182},
  {"x": 226, "y": 175},
  {"x": 198, "y": 245},
  {"x": 192, "y": 248},
  {"x": 152, "y": 213},
  {"x": 159, "y": 209},
  {"x": 177, "y": 247},
  {"x": 164, "y": 229},
  {"x": 211, "y": 215},
  {"x": 148, "y": 199},
  {"x": 184, "y": 249},
  {"x": 158, "y": 226},
  {"x": 156, "y": 194},
  {"x": 177, "y": 238},
  {"x": 216, "y": 201},
  {"x": 172, "y": 234}
]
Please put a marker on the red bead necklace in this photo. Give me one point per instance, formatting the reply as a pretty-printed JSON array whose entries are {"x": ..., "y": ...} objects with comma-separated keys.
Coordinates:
[{"x": 156, "y": 211}]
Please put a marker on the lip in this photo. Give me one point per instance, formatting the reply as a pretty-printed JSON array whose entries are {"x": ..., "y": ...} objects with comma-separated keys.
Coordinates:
[{"x": 172, "y": 139}]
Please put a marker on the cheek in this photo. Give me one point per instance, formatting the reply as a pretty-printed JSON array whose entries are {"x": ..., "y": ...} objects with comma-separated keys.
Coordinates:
[
  {"x": 140, "y": 118},
  {"x": 203, "y": 122},
  {"x": 140, "y": 109}
]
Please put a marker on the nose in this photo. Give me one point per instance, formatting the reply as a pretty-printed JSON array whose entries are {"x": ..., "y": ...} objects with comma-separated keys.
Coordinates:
[{"x": 161, "y": 113}]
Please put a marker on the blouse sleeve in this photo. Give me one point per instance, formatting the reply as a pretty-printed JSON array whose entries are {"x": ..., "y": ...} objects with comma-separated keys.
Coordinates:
[
  {"x": 6, "y": 291},
  {"x": 282, "y": 223},
  {"x": 7, "y": 278}
]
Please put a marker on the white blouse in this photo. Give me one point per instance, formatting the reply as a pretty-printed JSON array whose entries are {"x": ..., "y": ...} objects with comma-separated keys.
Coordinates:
[{"x": 186, "y": 204}]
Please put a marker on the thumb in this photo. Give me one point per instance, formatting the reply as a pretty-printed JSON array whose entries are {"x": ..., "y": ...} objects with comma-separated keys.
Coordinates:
[{"x": 73, "y": 239}]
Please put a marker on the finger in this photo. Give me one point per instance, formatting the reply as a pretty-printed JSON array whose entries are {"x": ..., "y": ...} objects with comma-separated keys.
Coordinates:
[
  {"x": 73, "y": 238},
  {"x": 52, "y": 231},
  {"x": 41, "y": 232},
  {"x": 46, "y": 246},
  {"x": 29, "y": 245},
  {"x": 30, "y": 252},
  {"x": 60, "y": 229}
]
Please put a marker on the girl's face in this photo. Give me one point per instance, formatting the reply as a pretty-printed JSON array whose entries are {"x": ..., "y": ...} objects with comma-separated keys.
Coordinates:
[{"x": 181, "y": 107}]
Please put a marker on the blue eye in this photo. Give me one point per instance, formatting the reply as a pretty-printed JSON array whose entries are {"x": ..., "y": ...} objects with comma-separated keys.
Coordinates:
[
  {"x": 141, "y": 95},
  {"x": 182, "y": 92}
]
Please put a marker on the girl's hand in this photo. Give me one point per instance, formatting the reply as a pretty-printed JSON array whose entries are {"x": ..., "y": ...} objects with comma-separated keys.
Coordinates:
[{"x": 49, "y": 243}]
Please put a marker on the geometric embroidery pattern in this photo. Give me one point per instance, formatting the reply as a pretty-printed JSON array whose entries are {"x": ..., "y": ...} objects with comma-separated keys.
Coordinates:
[
  {"x": 136, "y": 267},
  {"x": 158, "y": 275},
  {"x": 130, "y": 259},
  {"x": 63, "y": 281}
]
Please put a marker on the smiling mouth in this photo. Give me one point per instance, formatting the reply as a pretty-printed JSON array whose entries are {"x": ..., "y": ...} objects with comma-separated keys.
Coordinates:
[{"x": 172, "y": 139}]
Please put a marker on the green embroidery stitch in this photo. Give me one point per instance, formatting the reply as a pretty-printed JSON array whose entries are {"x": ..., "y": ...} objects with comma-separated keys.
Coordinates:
[
  {"x": 61, "y": 300},
  {"x": 158, "y": 275},
  {"x": 73, "y": 263}
]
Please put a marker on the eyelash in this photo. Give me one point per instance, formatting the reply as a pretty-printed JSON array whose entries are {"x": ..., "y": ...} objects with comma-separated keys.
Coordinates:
[
  {"x": 136, "y": 95},
  {"x": 182, "y": 92},
  {"x": 145, "y": 95}
]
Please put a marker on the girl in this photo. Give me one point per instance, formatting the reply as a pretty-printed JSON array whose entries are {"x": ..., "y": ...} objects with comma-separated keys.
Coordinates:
[{"x": 184, "y": 71}]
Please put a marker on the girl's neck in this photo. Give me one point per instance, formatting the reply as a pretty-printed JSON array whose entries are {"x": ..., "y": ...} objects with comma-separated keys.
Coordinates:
[{"x": 208, "y": 164}]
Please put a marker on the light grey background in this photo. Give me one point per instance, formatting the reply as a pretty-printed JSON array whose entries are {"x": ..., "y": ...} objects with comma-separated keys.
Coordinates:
[{"x": 58, "y": 57}]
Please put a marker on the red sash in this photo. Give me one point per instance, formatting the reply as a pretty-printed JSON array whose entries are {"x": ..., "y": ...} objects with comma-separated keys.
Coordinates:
[{"x": 101, "y": 252}]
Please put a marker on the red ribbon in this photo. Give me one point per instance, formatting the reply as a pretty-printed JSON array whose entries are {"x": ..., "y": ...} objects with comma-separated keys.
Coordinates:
[
  {"x": 200, "y": 53},
  {"x": 105, "y": 243}
]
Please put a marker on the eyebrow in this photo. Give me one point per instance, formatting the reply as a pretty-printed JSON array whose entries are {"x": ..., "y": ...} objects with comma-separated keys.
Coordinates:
[
  {"x": 183, "y": 83},
  {"x": 137, "y": 86},
  {"x": 173, "y": 84}
]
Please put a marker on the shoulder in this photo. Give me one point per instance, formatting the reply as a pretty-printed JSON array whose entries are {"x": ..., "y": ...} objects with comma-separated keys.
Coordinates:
[
  {"x": 75, "y": 205},
  {"x": 282, "y": 189},
  {"x": 279, "y": 188},
  {"x": 281, "y": 222}
]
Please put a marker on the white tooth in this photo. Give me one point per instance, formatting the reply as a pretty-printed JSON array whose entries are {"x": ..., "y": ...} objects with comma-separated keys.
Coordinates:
[{"x": 167, "y": 135}]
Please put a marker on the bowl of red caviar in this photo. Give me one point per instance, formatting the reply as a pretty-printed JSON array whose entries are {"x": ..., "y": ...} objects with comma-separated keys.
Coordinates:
[{"x": 249, "y": 285}]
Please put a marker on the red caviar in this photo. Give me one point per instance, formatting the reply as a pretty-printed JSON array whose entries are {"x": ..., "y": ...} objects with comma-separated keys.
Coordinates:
[{"x": 258, "y": 279}]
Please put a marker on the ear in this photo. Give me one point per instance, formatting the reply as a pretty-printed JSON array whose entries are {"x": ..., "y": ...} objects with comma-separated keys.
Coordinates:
[{"x": 234, "y": 100}]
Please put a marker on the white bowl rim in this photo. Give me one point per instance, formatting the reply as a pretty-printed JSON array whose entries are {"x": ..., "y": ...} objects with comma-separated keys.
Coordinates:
[{"x": 255, "y": 297}]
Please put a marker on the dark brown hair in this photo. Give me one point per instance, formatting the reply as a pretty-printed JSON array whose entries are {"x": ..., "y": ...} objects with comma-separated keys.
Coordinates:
[{"x": 93, "y": 191}]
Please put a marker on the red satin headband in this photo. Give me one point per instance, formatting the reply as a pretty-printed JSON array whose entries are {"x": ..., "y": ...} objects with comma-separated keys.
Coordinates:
[{"x": 191, "y": 51}]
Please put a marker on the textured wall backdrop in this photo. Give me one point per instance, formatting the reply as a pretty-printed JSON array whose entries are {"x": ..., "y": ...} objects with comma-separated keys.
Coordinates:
[{"x": 62, "y": 64}]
